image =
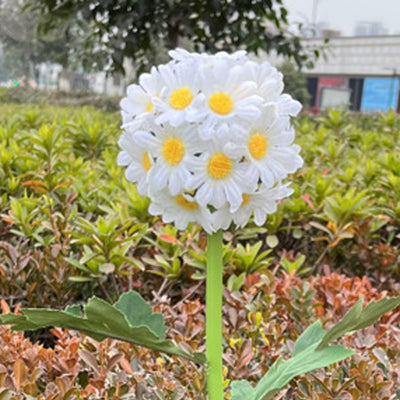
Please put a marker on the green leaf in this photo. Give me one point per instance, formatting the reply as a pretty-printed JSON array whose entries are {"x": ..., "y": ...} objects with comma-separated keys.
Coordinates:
[
  {"x": 4, "y": 394},
  {"x": 359, "y": 318},
  {"x": 374, "y": 310},
  {"x": 344, "y": 325},
  {"x": 311, "y": 350},
  {"x": 280, "y": 375},
  {"x": 74, "y": 310},
  {"x": 19, "y": 322},
  {"x": 242, "y": 390},
  {"x": 272, "y": 241},
  {"x": 313, "y": 334},
  {"x": 131, "y": 319},
  {"x": 137, "y": 310},
  {"x": 80, "y": 279},
  {"x": 236, "y": 282}
]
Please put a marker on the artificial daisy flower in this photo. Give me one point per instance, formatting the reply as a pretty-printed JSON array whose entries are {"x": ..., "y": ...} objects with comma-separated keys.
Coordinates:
[
  {"x": 173, "y": 149},
  {"x": 268, "y": 79},
  {"x": 218, "y": 178},
  {"x": 208, "y": 139},
  {"x": 139, "y": 100},
  {"x": 267, "y": 148},
  {"x": 226, "y": 100},
  {"x": 270, "y": 85},
  {"x": 181, "y": 209},
  {"x": 177, "y": 97},
  {"x": 138, "y": 160},
  {"x": 183, "y": 55},
  {"x": 260, "y": 203},
  {"x": 288, "y": 106}
]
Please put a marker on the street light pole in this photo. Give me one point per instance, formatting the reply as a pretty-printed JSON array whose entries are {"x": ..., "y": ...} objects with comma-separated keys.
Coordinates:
[{"x": 314, "y": 13}]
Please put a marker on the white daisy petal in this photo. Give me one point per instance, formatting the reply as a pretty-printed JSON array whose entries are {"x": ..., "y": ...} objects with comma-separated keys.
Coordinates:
[
  {"x": 259, "y": 217},
  {"x": 133, "y": 172},
  {"x": 124, "y": 158},
  {"x": 288, "y": 106},
  {"x": 144, "y": 139}
]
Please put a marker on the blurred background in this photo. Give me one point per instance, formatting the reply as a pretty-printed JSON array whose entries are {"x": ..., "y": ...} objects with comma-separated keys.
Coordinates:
[{"x": 342, "y": 54}]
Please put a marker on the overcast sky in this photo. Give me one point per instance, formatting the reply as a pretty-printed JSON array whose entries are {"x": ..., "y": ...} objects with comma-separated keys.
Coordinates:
[{"x": 344, "y": 14}]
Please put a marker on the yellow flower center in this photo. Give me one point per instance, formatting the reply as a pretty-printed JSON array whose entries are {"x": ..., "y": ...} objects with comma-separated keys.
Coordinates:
[
  {"x": 180, "y": 98},
  {"x": 173, "y": 151},
  {"x": 221, "y": 103},
  {"x": 246, "y": 199},
  {"x": 146, "y": 163},
  {"x": 219, "y": 166},
  {"x": 149, "y": 107},
  {"x": 186, "y": 204},
  {"x": 257, "y": 146}
]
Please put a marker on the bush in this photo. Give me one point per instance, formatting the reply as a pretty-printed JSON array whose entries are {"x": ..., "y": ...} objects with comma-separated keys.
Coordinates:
[
  {"x": 22, "y": 95},
  {"x": 261, "y": 323},
  {"x": 71, "y": 226},
  {"x": 68, "y": 215}
]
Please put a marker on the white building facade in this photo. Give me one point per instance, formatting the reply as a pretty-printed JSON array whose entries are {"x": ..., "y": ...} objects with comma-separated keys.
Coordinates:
[{"x": 359, "y": 73}]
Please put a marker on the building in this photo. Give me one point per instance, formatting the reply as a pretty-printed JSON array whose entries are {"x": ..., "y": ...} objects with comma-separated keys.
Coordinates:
[
  {"x": 369, "y": 28},
  {"x": 360, "y": 73},
  {"x": 53, "y": 77}
]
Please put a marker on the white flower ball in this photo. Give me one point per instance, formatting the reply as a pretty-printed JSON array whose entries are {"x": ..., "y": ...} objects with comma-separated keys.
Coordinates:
[{"x": 208, "y": 139}]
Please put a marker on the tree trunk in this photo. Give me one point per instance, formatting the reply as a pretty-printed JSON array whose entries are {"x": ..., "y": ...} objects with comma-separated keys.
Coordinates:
[
  {"x": 26, "y": 66},
  {"x": 173, "y": 36}
]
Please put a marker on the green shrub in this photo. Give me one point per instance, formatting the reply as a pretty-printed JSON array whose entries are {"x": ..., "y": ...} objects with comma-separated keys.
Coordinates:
[
  {"x": 262, "y": 323},
  {"x": 22, "y": 95},
  {"x": 70, "y": 216},
  {"x": 71, "y": 226}
]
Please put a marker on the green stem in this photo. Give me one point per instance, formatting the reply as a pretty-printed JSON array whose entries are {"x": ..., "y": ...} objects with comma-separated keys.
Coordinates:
[{"x": 214, "y": 288}]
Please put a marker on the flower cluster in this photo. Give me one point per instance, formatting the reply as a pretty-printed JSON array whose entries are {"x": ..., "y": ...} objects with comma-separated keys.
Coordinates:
[{"x": 208, "y": 139}]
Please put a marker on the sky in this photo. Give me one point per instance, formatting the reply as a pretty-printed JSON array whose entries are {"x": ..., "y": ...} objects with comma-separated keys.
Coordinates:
[{"x": 344, "y": 14}]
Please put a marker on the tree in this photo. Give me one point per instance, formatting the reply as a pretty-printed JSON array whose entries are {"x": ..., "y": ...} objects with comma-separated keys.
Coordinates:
[
  {"x": 295, "y": 82},
  {"x": 11, "y": 65},
  {"x": 23, "y": 47},
  {"x": 17, "y": 35},
  {"x": 134, "y": 29}
]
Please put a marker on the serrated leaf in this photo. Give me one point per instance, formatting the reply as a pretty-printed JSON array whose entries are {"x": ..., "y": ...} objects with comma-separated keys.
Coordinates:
[
  {"x": 242, "y": 390},
  {"x": 138, "y": 312},
  {"x": 19, "y": 322},
  {"x": 358, "y": 318},
  {"x": 375, "y": 310},
  {"x": 102, "y": 320},
  {"x": 344, "y": 325},
  {"x": 74, "y": 310},
  {"x": 311, "y": 350},
  {"x": 312, "y": 335},
  {"x": 279, "y": 376}
]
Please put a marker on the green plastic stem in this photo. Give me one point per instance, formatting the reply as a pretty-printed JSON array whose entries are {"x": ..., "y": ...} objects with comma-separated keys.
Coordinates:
[{"x": 214, "y": 289}]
